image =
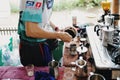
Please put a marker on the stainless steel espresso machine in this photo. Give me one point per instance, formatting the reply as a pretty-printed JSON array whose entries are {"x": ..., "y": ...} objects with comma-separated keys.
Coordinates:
[
  {"x": 108, "y": 33},
  {"x": 104, "y": 41}
]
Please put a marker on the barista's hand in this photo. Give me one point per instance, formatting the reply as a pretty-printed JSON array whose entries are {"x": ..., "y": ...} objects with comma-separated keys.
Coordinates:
[{"x": 64, "y": 36}]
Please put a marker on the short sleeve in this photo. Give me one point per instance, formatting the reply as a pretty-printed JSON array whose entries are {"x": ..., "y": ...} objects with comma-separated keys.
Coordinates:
[{"x": 33, "y": 11}]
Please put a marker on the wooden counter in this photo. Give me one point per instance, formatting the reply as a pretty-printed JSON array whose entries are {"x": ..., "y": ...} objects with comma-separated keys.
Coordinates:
[{"x": 68, "y": 58}]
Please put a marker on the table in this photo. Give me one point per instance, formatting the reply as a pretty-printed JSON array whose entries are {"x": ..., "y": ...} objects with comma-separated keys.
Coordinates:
[
  {"x": 92, "y": 52},
  {"x": 99, "y": 52},
  {"x": 101, "y": 57},
  {"x": 15, "y": 73},
  {"x": 20, "y": 72}
]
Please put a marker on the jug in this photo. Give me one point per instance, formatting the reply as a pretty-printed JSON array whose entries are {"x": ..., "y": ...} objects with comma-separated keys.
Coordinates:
[
  {"x": 54, "y": 68},
  {"x": 108, "y": 34}
]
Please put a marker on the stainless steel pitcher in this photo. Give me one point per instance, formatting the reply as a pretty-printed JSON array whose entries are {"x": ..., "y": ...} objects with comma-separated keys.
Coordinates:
[
  {"x": 54, "y": 68},
  {"x": 107, "y": 37}
]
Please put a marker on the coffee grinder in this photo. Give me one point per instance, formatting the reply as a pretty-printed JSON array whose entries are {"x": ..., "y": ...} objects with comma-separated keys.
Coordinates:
[{"x": 106, "y": 5}]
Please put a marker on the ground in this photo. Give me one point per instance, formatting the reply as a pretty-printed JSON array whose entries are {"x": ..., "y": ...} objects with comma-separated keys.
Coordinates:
[{"x": 60, "y": 18}]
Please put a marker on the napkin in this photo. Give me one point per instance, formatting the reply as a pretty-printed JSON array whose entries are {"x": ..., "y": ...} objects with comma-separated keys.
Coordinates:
[{"x": 40, "y": 75}]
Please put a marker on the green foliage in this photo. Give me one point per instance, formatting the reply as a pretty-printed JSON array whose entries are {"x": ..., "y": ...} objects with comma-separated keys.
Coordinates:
[
  {"x": 14, "y": 8},
  {"x": 70, "y": 4}
]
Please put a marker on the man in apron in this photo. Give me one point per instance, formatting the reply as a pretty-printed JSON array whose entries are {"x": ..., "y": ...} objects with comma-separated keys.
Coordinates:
[{"x": 34, "y": 17}]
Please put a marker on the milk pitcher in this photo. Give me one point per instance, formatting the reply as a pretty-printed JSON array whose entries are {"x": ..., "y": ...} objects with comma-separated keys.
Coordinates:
[{"x": 107, "y": 37}]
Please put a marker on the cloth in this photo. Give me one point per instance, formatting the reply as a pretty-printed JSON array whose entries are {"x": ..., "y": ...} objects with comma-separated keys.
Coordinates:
[
  {"x": 40, "y": 75},
  {"x": 22, "y": 5},
  {"x": 37, "y": 54},
  {"x": 13, "y": 72}
]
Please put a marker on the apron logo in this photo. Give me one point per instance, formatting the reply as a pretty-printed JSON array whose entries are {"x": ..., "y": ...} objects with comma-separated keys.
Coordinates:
[
  {"x": 29, "y": 3},
  {"x": 38, "y": 5}
]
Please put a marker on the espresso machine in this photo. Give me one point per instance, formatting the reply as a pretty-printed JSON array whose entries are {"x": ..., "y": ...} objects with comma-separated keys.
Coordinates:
[{"x": 107, "y": 31}]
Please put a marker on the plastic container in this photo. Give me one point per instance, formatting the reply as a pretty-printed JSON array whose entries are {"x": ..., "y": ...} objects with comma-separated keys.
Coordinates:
[{"x": 1, "y": 63}]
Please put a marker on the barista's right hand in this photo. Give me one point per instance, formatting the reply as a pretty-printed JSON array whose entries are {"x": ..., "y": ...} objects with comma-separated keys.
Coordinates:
[{"x": 64, "y": 36}]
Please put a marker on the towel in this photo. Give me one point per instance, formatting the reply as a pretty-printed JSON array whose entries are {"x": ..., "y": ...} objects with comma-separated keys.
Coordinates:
[{"x": 40, "y": 75}]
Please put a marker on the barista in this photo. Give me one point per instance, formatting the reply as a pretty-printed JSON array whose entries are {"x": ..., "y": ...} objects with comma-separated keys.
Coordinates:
[{"x": 34, "y": 16}]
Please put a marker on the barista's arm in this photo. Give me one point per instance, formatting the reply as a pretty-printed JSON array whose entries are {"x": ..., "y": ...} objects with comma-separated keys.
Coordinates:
[{"x": 33, "y": 30}]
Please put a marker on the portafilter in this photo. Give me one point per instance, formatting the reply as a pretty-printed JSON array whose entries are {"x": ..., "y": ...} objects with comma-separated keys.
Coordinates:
[{"x": 71, "y": 30}]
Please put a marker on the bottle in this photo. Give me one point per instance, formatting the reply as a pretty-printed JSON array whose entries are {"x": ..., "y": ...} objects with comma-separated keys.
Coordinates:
[
  {"x": 74, "y": 21},
  {"x": 1, "y": 63}
]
